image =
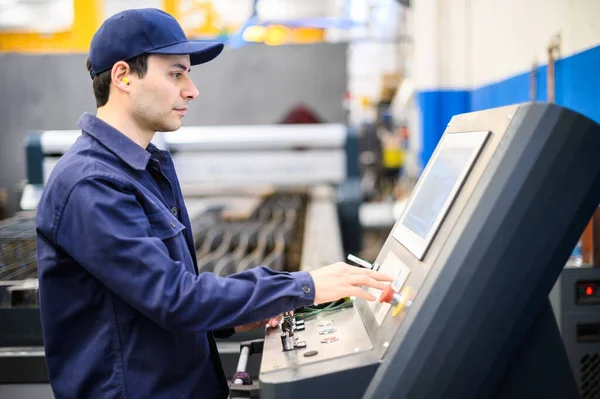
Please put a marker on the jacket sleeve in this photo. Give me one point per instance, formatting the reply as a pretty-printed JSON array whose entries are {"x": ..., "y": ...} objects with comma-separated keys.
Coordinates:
[{"x": 105, "y": 229}]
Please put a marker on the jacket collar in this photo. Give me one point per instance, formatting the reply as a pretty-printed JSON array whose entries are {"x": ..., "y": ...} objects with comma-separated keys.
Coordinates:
[{"x": 119, "y": 144}]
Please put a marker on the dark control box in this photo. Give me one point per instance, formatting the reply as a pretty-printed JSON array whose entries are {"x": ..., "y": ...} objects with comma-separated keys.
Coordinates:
[
  {"x": 577, "y": 309},
  {"x": 587, "y": 292}
]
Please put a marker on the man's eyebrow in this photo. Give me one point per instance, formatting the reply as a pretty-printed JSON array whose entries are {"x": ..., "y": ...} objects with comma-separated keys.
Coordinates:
[{"x": 181, "y": 66}]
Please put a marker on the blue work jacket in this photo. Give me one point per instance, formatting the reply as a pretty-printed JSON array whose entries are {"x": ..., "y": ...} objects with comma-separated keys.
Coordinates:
[{"x": 124, "y": 312}]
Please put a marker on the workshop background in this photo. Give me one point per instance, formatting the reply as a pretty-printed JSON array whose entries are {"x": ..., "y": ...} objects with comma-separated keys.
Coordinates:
[
  {"x": 391, "y": 72},
  {"x": 347, "y": 60}
]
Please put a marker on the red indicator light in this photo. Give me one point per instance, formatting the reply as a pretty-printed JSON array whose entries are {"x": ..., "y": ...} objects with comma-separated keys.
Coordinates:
[{"x": 589, "y": 290}]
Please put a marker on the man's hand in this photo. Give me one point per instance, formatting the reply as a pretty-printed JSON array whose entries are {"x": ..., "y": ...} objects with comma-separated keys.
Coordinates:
[
  {"x": 340, "y": 280},
  {"x": 272, "y": 322}
]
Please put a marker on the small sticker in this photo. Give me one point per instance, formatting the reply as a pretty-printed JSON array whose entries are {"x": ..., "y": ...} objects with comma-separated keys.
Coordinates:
[
  {"x": 329, "y": 340},
  {"x": 327, "y": 331}
]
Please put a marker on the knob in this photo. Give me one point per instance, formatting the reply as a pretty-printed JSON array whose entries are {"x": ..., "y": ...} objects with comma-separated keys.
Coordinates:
[
  {"x": 287, "y": 341},
  {"x": 387, "y": 294},
  {"x": 289, "y": 322},
  {"x": 401, "y": 302},
  {"x": 398, "y": 301}
]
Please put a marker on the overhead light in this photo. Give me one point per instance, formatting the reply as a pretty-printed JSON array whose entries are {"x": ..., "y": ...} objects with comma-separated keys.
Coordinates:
[
  {"x": 276, "y": 35},
  {"x": 254, "y": 33}
]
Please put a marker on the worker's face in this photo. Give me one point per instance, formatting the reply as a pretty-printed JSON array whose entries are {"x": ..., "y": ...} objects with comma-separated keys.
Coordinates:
[{"x": 161, "y": 98}]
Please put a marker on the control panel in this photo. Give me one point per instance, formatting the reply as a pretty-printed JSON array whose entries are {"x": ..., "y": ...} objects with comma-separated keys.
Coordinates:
[
  {"x": 391, "y": 296},
  {"x": 472, "y": 272},
  {"x": 325, "y": 336}
]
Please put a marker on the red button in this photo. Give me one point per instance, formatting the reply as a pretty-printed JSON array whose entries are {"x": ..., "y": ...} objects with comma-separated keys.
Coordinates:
[{"x": 387, "y": 294}]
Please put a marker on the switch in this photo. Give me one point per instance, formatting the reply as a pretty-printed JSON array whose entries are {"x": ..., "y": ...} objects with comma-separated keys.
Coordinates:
[
  {"x": 360, "y": 262},
  {"x": 398, "y": 301},
  {"x": 289, "y": 322},
  {"x": 287, "y": 341},
  {"x": 387, "y": 295},
  {"x": 288, "y": 327}
]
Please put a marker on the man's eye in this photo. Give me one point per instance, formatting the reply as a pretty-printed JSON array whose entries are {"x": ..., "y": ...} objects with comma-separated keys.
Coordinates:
[{"x": 176, "y": 75}]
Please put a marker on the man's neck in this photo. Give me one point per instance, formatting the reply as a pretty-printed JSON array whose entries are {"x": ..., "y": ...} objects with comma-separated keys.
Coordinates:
[{"x": 125, "y": 125}]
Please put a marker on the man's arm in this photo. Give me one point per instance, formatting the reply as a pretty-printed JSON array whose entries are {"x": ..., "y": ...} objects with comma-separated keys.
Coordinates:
[{"x": 104, "y": 228}]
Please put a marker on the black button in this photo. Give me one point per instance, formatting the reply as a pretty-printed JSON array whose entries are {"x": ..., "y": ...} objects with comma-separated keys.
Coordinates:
[
  {"x": 306, "y": 289},
  {"x": 174, "y": 211},
  {"x": 310, "y": 353}
]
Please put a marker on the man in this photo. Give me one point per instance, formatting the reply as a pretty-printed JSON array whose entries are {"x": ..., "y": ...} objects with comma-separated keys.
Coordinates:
[{"x": 124, "y": 311}]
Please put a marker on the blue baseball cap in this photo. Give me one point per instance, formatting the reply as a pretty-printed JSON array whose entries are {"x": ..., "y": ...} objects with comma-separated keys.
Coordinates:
[{"x": 144, "y": 31}]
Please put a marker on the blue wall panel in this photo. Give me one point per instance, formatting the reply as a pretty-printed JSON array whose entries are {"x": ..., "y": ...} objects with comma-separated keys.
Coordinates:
[
  {"x": 576, "y": 86},
  {"x": 437, "y": 108},
  {"x": 576, "y": 81}
]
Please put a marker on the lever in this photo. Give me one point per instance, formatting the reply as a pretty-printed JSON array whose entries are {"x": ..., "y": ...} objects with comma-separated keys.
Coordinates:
[
  {"x": 362, "y": 263},
  {"x": 288, "y": 327},
  {"x": 242, "y": 385}
]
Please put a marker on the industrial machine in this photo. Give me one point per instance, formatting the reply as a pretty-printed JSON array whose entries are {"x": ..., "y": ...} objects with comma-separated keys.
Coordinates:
[
  {"x": 475, "y": 254},
  {"x": 277, "y": 196}
]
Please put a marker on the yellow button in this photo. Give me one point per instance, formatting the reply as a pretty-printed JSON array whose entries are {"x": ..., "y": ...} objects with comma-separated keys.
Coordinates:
[{"x": 404, "y": 296}]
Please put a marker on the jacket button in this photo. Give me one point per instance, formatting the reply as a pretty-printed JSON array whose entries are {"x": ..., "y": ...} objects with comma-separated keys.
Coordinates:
[
  {"x": 174, "y": 211},
  {"x": 306, "y": 289}
]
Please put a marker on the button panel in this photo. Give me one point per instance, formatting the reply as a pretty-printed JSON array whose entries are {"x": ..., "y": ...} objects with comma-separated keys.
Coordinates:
[{"x": 325, "y": 336}]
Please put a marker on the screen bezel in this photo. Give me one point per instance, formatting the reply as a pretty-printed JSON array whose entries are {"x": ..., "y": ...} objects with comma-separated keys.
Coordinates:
[{"x": 417, "y": 245}]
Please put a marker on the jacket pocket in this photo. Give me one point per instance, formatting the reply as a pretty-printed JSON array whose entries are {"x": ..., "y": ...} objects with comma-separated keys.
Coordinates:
[{"x": 164, "y": 225}]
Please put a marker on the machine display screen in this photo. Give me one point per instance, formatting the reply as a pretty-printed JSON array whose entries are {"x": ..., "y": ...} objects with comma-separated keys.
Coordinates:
[{"x": 437, "y": 188}]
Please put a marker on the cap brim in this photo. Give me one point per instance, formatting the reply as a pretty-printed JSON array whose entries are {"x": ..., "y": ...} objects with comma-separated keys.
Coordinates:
[{"x": 200, "y": 52}]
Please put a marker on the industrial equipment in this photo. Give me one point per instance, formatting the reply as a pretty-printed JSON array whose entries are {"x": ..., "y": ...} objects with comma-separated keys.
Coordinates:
[
  {"x": 476, "y": 252},
  {"x": 483, "y": 239},
  {"x": 576, "y": 302},
  {"x": 276, "y": 196}
]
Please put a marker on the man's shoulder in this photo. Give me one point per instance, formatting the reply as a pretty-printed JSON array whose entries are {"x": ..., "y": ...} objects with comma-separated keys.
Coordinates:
[{"x": 82, "y": 162}]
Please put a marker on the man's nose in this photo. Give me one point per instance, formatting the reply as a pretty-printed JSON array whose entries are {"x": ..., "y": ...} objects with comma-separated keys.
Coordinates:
[{"x": 190, "y": 92}]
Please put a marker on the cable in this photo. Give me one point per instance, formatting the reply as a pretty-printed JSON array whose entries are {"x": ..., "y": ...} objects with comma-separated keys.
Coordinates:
[{"x": 310, "y": 312}]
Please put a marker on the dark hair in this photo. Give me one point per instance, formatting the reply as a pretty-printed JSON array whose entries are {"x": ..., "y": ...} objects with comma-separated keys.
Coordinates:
[{"x": 101, "y": 82}]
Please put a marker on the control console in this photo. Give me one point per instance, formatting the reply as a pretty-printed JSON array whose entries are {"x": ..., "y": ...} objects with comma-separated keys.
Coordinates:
[{"x": 483, "y": 239}]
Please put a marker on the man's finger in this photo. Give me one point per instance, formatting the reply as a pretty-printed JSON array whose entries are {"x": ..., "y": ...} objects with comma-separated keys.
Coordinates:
[
  {"x": 367, "y": 281},
  {"x": 273, "y": 322},
  {"x": 379, "y": 276},
  {"x": 360, "y": 293}
]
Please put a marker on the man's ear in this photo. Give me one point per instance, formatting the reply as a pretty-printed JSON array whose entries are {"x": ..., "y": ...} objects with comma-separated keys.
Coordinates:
[{"x": 120, "y": 75}]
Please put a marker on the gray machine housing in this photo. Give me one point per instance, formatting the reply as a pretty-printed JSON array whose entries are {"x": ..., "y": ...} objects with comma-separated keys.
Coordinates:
[{"x": 475, "y": 320}]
